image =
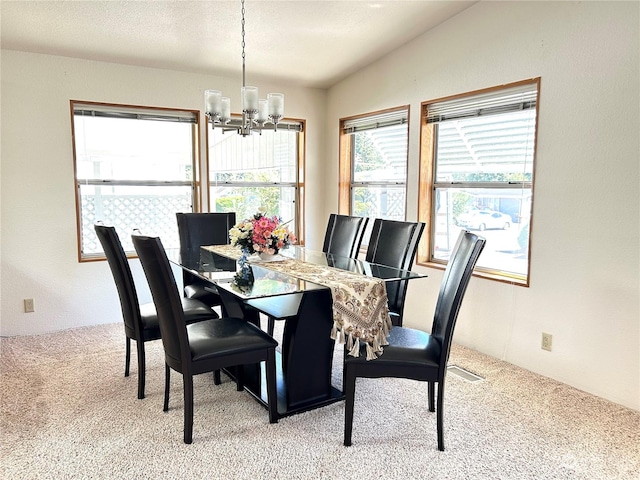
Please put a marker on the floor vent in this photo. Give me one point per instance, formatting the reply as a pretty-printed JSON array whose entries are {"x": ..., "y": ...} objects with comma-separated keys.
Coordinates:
[{"x": 464, "y": 374}]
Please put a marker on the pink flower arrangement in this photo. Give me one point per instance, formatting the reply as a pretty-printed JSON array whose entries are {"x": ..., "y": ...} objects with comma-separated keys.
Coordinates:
[{"x": 261, "y": 234}]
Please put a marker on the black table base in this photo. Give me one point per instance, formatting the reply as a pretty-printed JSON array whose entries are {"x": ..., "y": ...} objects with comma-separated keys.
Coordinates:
[{"x": 305, "y": 363}]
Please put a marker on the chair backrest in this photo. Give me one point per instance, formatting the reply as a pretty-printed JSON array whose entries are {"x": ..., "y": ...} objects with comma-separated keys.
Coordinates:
[
  {"x": 166, "y": 298},
  {"x": 394, "y": 244},
  {"x": 344, "y": 235},
  {"x": 196, "y": 229},
  {"x": 123, "y": 278},
  {"x": 452, "y": 289}
]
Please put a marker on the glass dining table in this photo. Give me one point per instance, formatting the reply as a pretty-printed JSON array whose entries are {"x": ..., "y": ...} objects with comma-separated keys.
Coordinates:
[{"x": 305, "y": 359}]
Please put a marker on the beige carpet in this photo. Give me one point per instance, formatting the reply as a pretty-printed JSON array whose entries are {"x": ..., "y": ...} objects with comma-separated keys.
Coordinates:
[{"x": 68, "y": 412}]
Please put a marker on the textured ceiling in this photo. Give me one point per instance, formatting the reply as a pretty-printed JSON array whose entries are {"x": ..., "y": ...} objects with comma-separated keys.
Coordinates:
[{"x": 307, "y": 43}]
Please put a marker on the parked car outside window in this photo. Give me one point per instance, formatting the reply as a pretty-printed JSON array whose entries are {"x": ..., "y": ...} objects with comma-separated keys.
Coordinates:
[{"x": 484, "y": 219}]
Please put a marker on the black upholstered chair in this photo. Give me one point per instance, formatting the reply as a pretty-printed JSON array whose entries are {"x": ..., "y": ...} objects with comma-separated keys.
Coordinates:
[
  {"x": 204, "y": 346},
  {"x": 195, "y": 230},
  {"x": 414, "y": 354},
  {"x": 344, "y": 235},
  {"x": 140, "y": 321},
  {"x": 394, "y": 244}
]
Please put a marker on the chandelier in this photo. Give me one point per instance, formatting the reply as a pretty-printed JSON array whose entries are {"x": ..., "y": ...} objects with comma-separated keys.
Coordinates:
[{"x": 256, "y": 113}]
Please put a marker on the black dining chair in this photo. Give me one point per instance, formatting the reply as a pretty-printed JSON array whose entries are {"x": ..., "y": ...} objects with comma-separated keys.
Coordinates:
[
  {"x": 343, "y": 236},
  {"x": 195, "y": 230},
  {"x": 140, "y": 321},
  {"x": 394, "y": 244},
  {"x": 204, "y": 346},
  {"x": 414, "y": 354}
]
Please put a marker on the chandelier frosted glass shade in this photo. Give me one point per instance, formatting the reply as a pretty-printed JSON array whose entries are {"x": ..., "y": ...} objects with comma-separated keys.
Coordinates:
[{"x": 275, "y": 103}]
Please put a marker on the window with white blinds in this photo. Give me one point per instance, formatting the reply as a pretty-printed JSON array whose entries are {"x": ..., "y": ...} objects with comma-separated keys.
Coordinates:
[
  {"x": 375, "y": 151},
  {"x": 134, "y": 169},
  {"x": 262, "y": 170},
  {"x": 478, "y": 152}
]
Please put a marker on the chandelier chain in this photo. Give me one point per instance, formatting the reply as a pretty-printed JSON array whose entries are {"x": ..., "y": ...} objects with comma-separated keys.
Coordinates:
[{"x": 243, "y": 45}]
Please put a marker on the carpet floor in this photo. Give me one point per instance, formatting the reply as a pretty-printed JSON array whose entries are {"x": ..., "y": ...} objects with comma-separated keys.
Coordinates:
[{"x": 68, "y": 412}]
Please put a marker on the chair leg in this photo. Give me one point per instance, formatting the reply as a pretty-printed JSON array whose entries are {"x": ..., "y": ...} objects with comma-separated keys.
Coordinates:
[
  {"x": 272, "y": 396},
  {"x": 349, "y": 389},
  {"x": 432, "y": 403},
  {"x": 167, "y": 379},
  {"x": 440, "y": 416},
  {"x": 235, "y": 373},
  {"x": 239, "y": 371},
  {"x": 344, "y": 368},
  {"x": 127, "y": 358},
  {"x": 270, "y": 325},
  {"x": 188, "y": 407},
  {"x": 141, "y": 368}
]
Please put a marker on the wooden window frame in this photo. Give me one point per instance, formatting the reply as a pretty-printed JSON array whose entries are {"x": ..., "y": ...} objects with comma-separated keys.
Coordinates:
[
  {"x": 426, "y": 188},
  {"x": 345, "y": 162},
  {"x": 195, "y": 184},
  {"x": 301, "y": 128}
]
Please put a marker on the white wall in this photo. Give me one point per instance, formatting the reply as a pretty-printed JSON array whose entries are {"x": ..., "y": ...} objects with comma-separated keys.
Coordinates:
[
  {"x": 39, "y": 246},
  {"x": 585, "y": 232}
]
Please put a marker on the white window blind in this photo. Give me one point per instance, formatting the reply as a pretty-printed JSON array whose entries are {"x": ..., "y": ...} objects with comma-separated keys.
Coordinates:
[
  {"x": 370, "y": 122},
  {"x": 521, "y": 97},
  {"x": 134, "y": 113}
]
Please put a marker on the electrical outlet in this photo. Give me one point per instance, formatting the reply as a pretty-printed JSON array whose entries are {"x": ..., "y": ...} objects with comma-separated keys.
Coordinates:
[
  {"x": 28, "y": 305},
  {"x": 546, "y": 341}
]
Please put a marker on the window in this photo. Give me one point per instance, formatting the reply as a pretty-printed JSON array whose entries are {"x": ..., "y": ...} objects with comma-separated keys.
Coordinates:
[
  {"x": 373, "y": 164},
  {"x": 476, "y": 172},
  {"x": 261, "y": 170},
  {"x": 134, "y": 169}
]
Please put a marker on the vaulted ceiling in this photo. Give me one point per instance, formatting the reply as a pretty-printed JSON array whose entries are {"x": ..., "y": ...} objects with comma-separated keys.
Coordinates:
[{"x": 306, "y": 43}]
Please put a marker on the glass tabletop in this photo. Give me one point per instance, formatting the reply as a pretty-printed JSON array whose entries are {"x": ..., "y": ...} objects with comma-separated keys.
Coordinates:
[
  {"x": 354, "y": 265},
  {"x": 221, "y": 271}
]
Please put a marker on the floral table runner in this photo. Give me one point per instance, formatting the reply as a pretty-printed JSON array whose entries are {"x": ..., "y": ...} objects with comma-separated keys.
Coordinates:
[{"x": 360, "y": 307}]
